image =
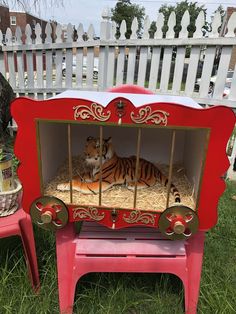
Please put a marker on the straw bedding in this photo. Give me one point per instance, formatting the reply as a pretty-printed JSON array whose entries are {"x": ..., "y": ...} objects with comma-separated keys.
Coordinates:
[{"x": 152, "y": 198}]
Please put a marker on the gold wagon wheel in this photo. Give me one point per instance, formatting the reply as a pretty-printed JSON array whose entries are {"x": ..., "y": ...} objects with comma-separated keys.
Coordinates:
[
  {"x": 178, "y": 222},
  {"x": 49, "y": 213}
]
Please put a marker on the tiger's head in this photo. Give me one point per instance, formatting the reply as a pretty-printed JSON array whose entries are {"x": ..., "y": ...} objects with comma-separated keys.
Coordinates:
[{"x": 92, "y": 151}]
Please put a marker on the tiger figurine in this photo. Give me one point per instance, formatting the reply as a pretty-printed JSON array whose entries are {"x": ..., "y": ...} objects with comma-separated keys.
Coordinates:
[{"x": 115, "y": 171}]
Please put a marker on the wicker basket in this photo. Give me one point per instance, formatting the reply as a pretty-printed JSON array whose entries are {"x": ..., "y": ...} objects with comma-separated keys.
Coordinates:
[{"x": 10, "y": 200}]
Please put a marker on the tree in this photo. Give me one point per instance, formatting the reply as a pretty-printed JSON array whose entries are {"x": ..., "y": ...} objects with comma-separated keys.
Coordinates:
[
  {"x": 222, "y": 12},
  {"x": 152, "y": 29},
  {"x": 179, "y": 10},
  {"x": 27, "y": 5},
  {"x": 125, "y": 10}
]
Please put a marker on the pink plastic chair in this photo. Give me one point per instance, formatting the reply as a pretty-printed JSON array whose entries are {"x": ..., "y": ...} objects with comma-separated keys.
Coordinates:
[
  {"x": 20, "y": 224},
  {"x": 99, "y": 249}
]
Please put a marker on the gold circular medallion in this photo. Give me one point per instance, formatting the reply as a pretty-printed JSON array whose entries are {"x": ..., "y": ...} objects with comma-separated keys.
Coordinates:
[
  {"x": 49, "y": 213},
  {"x": 178, "y": 222}
]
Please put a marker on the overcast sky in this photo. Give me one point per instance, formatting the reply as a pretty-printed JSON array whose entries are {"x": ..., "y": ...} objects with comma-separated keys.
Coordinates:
[{"x": 89, "y": 11}]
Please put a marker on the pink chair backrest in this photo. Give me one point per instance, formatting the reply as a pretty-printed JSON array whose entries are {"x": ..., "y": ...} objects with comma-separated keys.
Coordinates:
[{"x": 130, "y": 89}]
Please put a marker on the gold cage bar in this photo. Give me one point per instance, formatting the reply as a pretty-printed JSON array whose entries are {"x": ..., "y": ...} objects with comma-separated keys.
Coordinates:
[
  {"x": 100, "y": 163},
  {"x": 70, "y": 161},
  {"x": 170, "y": 167},
  {"x": 137, "y": 166}
]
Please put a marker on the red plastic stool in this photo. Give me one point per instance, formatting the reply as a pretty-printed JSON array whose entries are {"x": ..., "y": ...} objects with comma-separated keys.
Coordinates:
[
  {"x": 20, "y": 224},
  {"x": 99, "y": 249}
]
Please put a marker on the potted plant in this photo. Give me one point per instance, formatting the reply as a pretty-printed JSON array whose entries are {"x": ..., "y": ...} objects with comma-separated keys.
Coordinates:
[
  {"x": 10, "y": 189},
  {"x": 6, "y": 172}
]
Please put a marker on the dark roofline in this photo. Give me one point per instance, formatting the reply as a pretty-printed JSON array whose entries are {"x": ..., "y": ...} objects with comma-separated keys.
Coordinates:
[
  {"x": 4, "y": 6},
  {"x": 24, "y": 12}
]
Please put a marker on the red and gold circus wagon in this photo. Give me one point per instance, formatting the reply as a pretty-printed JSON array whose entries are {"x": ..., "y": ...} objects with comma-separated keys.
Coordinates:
[{"x": 185, "y": 142}]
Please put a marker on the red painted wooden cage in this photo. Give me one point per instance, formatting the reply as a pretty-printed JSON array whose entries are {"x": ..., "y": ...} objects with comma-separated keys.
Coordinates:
[{"x": 187, "y": 142}]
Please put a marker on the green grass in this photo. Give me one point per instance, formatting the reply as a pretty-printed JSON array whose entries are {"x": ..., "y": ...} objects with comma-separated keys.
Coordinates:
[{"x": 124, "y": 293}]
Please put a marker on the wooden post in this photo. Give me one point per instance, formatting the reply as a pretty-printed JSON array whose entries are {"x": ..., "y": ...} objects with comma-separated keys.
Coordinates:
[{"x": 103, "y": 51}]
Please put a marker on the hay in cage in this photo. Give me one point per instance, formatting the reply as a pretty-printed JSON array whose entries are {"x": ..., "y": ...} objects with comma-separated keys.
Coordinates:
[{"x": 152, "y": 198}]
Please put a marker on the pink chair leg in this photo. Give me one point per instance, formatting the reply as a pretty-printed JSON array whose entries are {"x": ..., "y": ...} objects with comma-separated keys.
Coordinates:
[
  {"x": 66, "y": 295},
  {"x": 194, "y": 249},
  {"x": 27, "y": 237},
  {"x": 65, "y": 261},
  {"x": 19, "y": 224}
]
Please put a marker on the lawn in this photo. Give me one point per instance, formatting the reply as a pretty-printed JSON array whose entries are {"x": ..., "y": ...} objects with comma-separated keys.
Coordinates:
[{"x": 124, "y": 293}]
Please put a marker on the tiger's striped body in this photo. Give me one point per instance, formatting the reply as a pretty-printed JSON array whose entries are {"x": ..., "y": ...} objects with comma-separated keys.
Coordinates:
[{"x": 115, "y": 171}]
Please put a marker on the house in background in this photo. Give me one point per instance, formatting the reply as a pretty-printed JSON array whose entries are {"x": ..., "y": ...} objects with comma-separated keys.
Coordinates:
[
  {"x": 4, "y": 18},
  {"x": 21, "y": 19},
  {"x": 12, "y": 19}
]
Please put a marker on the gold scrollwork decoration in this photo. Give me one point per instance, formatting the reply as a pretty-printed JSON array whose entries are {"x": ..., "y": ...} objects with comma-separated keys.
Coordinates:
[
  {"x": 95, "y": 111},
  {"x": 146, "y": 114},
  {"x": 90, "y": 212},
  {"x": 137, "y": 216}
]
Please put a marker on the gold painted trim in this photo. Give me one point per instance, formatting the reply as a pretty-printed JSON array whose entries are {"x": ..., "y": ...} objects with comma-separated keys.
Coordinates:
[
  {"x": 137, "y": 216},
  {"x": 95, "y": 111},
  {"x": 126, "y": 125},
  {"x": 90, "y": 212},
  {"x": 103, "y": 207},
  {"x": 146, "y": 114}
]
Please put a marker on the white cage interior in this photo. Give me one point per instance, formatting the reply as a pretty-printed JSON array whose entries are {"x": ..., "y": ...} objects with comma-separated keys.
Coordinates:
[{"x": 189, "y": 150}]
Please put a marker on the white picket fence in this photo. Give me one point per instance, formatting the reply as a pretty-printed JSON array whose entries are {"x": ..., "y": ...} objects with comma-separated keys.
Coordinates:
[{"x": 34, "y": 67}]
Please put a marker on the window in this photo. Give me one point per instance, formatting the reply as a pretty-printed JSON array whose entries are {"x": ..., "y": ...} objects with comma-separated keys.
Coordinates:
[
  {"x": 13, "y": 20},
  {"x": 230, "y": 74}
]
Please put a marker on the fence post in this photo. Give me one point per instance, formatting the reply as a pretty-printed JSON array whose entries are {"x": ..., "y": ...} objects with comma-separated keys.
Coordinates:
[{"x": 105, "y": 33}]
